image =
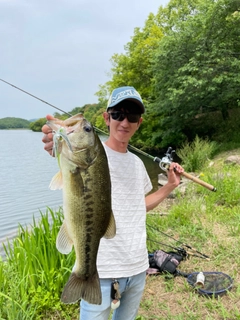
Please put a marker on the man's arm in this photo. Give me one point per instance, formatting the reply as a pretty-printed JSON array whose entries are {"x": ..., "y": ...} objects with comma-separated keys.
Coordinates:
[{"x": 174, "y": 173}]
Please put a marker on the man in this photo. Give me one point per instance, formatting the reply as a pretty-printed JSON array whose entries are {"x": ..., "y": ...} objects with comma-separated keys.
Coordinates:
[{"x": 124, "y": 259}]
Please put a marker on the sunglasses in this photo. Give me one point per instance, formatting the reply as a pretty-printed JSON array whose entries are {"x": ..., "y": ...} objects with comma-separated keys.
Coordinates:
[{"x": 120, "y": 116}]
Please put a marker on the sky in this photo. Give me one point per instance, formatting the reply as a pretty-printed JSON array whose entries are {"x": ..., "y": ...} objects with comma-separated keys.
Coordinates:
[{"x": 60, "y": 50}]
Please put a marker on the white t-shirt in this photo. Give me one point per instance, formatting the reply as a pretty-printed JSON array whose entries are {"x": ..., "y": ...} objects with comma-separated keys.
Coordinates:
[{"x": 126, "y": 254}]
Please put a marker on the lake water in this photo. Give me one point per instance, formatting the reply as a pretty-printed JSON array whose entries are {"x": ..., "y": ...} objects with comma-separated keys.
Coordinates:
[{"x": 25, "y": 173}]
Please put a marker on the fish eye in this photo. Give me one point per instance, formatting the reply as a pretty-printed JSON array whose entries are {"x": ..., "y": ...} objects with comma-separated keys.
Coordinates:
[{"x": 87, "y": 128}]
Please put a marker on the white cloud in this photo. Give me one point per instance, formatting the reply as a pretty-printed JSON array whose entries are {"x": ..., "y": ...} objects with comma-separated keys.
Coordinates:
[{"x": 59, "y": 50}]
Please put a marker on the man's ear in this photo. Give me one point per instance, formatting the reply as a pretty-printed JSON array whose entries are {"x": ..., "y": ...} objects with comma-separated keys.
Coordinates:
[
  {"x": 106, "y": 117},
  {"x": 139, "y": 122}
]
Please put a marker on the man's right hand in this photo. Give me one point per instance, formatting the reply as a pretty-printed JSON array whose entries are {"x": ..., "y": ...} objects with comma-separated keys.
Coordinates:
[{"x": 48, "y": 136}]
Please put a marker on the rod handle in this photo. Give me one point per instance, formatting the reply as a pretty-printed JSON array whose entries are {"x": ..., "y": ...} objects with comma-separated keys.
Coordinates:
[{"x": 202, "y": 183}]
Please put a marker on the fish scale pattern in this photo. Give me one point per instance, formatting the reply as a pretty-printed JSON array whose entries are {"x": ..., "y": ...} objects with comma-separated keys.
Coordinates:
[{"x": 126, "y": 255}]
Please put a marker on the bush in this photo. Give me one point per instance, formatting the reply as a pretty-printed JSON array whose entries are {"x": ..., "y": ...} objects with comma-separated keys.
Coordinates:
[{"x": 195, "y": 155}]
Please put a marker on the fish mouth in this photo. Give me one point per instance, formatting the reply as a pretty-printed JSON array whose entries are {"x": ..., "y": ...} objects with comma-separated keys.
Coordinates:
[
  {"x": 58, "y": 137},
  {"x": 71, "y": 131},
  {"x": 62, "y": 132}
]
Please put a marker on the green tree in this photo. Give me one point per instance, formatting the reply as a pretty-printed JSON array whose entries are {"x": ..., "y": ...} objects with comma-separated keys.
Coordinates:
[
  {"x": 197, "y": 69},
  {"x": 133, "y": 67},
  {"x": 37, "y": 125},
  {"x": 14, "y": 123}
]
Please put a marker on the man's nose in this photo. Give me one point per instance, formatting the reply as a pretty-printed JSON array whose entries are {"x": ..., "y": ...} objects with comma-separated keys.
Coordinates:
[{"x": 125, "y": 122}]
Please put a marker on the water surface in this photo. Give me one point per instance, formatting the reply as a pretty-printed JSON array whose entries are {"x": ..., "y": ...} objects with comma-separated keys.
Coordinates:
[{"x": 25, "y": 173}]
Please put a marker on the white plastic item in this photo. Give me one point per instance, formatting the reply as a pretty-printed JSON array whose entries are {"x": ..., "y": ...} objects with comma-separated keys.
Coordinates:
[
  {"x": 200, "y": 279},
  {"x": 115, "y": 304}
]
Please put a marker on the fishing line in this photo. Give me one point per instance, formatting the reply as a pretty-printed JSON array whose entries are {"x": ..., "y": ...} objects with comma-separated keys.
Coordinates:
[
  {"x": 51, "y": 105},
  {"x": 164, "y": 163},
  {"x": 97, "y": 129}
]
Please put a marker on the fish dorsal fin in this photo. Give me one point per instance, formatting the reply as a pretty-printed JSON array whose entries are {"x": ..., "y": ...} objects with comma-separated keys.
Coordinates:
[
  {"x": 56, "y": 182},
  {"x": 64, "y": 242},
  {"x": 111, "y": 229}
]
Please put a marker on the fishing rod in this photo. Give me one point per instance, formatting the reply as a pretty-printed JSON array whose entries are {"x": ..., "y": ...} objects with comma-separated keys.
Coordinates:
[
  {"x": 164, "y": 163},
  {"x": 181, "y": 251},
  {"x": 51, "y": 105},
  {"x": 193, "y": 251},
  {"x": 10, "y": 84}
]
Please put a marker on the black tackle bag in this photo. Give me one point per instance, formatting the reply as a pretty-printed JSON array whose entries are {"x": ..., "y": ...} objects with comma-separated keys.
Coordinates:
[{"x": 164, "y": 262}]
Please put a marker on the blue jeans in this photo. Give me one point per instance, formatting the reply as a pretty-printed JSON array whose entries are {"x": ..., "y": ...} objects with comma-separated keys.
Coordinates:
[{"x": 131, "y": 290}]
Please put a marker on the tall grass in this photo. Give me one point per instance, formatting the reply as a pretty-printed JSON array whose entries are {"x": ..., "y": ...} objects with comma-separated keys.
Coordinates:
[
  {"x": 196, "y": 154},
  {"x": 34, "y": 273}
]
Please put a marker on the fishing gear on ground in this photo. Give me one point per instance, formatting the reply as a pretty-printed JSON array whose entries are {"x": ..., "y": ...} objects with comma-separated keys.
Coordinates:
[
  {"x": 161, "y": 261},
  {"x": 207, "y": 283},
  {"x": 184, "y": 249},
  {"x": 210, "y": 283},
  {"x": 164, "y": 262}
]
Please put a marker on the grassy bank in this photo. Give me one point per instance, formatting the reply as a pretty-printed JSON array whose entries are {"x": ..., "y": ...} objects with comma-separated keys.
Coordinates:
[
  {"x": 32, "y": 278},
  {"x": 209, "y": 222}
]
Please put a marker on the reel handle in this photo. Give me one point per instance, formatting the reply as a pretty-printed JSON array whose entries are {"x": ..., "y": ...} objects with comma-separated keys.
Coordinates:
[{"x": 202, "y": 183}]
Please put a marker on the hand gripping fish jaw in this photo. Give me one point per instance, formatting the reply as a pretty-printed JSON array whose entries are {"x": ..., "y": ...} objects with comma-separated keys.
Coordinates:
[{"x": 165, "y": 162}]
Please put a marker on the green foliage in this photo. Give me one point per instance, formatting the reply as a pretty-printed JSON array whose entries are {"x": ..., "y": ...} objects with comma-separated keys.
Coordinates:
[
  {"x": 197, "y": 66},
  {"x": 91, "y": 111},
  {"x": 14, "y": 123},
  {"x": 134, "y": 67},
  {"x": 37, "y": 125},
  {"x": 227, "y": 133},
  {"x": 35, "y": 272},
  {"x": 77, "y": 110},
  {"x": 196, "y": 154},
  {"x": 223, "y": 205},
  {"x": 185, "y": 64}
]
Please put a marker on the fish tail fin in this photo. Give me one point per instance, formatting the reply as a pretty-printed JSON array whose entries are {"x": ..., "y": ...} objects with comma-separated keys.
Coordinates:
[{"x": 79, "y": 288}]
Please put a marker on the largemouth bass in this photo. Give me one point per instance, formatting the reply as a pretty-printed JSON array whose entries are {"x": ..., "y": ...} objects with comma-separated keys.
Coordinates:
[{"x": 85, "y": 180}]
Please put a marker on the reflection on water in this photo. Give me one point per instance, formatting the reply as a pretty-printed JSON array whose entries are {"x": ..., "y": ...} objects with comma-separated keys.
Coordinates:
[{"x": 25, "y": 173}]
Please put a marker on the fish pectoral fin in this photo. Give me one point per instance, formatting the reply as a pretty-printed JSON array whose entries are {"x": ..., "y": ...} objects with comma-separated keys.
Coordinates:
[
  {"x": 64, "y": 242},
  {"x": 111, "y": 229},
  {"x": 56, "y": 182}
]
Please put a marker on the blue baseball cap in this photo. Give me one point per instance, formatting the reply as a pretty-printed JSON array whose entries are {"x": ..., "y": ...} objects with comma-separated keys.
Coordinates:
[{"x": 125, "y": 93}]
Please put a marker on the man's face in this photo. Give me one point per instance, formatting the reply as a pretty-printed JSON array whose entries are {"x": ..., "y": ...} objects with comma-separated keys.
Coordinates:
[{"x": 123, "y": 121}]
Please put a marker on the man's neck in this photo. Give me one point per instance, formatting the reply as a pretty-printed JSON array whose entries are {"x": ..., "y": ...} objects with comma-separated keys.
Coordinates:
[{"x": 117, "y": 145}]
